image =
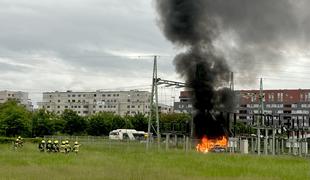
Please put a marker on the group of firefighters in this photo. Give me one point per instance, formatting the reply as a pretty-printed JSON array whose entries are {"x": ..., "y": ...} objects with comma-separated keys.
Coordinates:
[
  {"x": 18, "y": 143},
  {"x": 55, "y": 146},
  {"x": 51, "y": 146}
]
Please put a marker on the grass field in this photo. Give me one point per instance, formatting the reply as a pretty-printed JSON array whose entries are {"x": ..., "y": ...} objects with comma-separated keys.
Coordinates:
[{"x": 102, "y": 162}]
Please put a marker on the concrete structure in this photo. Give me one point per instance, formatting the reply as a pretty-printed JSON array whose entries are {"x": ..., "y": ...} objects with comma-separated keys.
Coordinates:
[
  {"x": 87, "y": 103},
  {"x": 185, "y": 105},
  {"x": 20, "y": 97},
  {"x": 163, "y": 108},
  {"x": 288, "y": 104}
]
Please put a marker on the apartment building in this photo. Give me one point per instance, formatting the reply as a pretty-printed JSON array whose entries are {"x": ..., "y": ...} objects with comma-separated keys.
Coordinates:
[
  {"x": 87, "y": 103},
  {"x": 288, "y": 103},
  {"x": 19, "y": 96},
  {"x": 284, "y": 103},
  {"x": 185, "y": 105}
]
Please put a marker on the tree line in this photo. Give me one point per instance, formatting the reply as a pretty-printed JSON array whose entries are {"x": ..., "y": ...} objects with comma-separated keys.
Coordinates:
[{"x": 16, "y": 120}]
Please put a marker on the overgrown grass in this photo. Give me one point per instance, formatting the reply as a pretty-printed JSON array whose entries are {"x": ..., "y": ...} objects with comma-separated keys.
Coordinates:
[{"x": 110, "y": 162}]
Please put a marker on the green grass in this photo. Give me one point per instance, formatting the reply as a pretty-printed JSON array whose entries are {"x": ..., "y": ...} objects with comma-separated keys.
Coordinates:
[{"x": 102, "y": 161}]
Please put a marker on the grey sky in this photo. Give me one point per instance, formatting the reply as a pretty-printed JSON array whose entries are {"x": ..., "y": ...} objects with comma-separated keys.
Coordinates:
[{"x": 48, "y": 45}]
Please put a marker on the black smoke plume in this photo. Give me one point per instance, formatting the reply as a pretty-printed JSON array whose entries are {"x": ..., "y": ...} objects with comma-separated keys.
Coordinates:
[{"x": 186, "y": 23}]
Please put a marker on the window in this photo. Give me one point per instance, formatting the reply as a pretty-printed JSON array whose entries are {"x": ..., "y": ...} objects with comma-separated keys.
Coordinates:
[
  {"x": 85, "y": 112},
  {"x": 73, "y": 95},
  {"x": 85, "y": 106},
  {"x": 58, "y": 100},
  {"x": 132, "y": 106},
  {"x": 103, "y": 95},
  {"x": 79, "y": 101},
  {"x": 66, "y": 106},
  {"x": 287, "y": 105},
  {"x": 73, "y": 100},
  {"x": 84, "y": 95},
  {"x": 128, "y": 100},
  {"x": 95, "y": 95},
  {"x": 79, "y": 106},
  {"x": 58, "y": 107},
  {"x": 128, "y": 106},
  {"x": 48, "y": 106},
  {"x": 69, "y": 95},
  {"x": 100, "y": 106},
  {"x": 79, "y": 95},
  {"x": 68, "y": 100},
  {"x": 109, "y": 95}
]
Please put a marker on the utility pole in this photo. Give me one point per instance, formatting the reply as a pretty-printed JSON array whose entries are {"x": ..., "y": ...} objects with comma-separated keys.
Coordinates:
[
  {"x": 260, "y": 120},
  {"x": 152, "y": 106}
]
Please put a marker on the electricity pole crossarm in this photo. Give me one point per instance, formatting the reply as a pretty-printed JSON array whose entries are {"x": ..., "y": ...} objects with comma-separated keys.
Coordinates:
[{"x": 169, "y": 83}]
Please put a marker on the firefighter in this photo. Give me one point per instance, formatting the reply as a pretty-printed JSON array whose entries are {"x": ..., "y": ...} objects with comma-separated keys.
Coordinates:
[
  {"x": 16, "y": 144},
  {"x": 20, "y": 141},
  {"x": 49, "y": 146},
  {"x": 62, "y": 148},
  {"x": 56, "y": 146},
  {"x": 42, "y": 146},
  {"x": 68, "y": 147},
  {"x": 76, "y": 147}
]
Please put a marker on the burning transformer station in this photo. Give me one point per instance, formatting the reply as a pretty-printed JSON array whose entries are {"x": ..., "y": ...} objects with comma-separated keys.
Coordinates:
[{"x": 186, "y": 24}]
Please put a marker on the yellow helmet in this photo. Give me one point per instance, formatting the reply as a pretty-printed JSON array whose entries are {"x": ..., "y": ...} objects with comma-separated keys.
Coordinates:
[
  {"x": 19, "y": 137},
  {"x": 56, "y": 141},
  {"x": 42, "y": 141},
  {"x": 76, "y": 142},
  {"x": 49, "y": 141},
  {"x": 67, "y": 142},
  {"x": 63, "y": 142}
]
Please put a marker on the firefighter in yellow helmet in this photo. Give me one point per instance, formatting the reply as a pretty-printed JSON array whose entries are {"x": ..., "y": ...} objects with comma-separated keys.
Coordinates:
[
  {"x": 62, "y": 147},
  {"x": 56, "y": 146},
  {"x": 20, "y": 141},
  {"x": 49, "y": 146},
  {"x": 68, "y": 147},
  {"x": 42, "y": 146},
  {"x": 76, "y": 147}
]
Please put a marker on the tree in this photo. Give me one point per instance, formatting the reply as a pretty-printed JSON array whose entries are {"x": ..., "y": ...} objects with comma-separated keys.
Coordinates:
[
  {"x": 139, "y": 122},
  {"x": 46, "y": 123},
  {"x": 73, "y": 123},
  {"x": 100, "y": 124},
  {"x": 174, "y": 122},
  {"x": 14, "y": 119}
]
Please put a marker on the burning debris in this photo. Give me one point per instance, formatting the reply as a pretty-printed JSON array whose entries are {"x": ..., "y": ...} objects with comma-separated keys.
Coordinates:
[{"x": 186, "y": 24}]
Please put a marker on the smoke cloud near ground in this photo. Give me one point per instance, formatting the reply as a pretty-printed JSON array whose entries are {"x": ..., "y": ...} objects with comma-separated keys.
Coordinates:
[{"x": 221, "y": 36}]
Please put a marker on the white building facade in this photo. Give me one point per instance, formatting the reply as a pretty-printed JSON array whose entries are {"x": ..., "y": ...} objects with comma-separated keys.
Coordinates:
[
  {"x": 19, "y": 96},
  {"x": 87, "y": 103}
]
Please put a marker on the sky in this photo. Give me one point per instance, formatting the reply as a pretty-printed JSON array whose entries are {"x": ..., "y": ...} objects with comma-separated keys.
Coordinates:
[{"x": 86, "y": 45}]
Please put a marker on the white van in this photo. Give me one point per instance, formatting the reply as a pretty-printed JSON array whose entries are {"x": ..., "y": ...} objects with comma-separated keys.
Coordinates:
[{"x": 131, "y": 134}]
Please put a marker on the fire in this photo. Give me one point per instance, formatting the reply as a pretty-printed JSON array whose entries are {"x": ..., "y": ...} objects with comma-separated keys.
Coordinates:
[{"x": 207, "y": 144}]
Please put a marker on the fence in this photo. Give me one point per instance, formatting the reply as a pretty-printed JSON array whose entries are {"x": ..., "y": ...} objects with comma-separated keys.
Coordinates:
[{"x": 242, "y": 144}]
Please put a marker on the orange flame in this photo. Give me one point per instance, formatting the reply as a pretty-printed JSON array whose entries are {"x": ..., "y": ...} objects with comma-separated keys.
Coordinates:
[{"x": 209, "y": 144}]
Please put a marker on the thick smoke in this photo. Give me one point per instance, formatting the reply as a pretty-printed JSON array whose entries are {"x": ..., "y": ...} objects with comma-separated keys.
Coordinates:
[
  {"x": 221, "y": 35},
  {"x": 186, "y": 24}
]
